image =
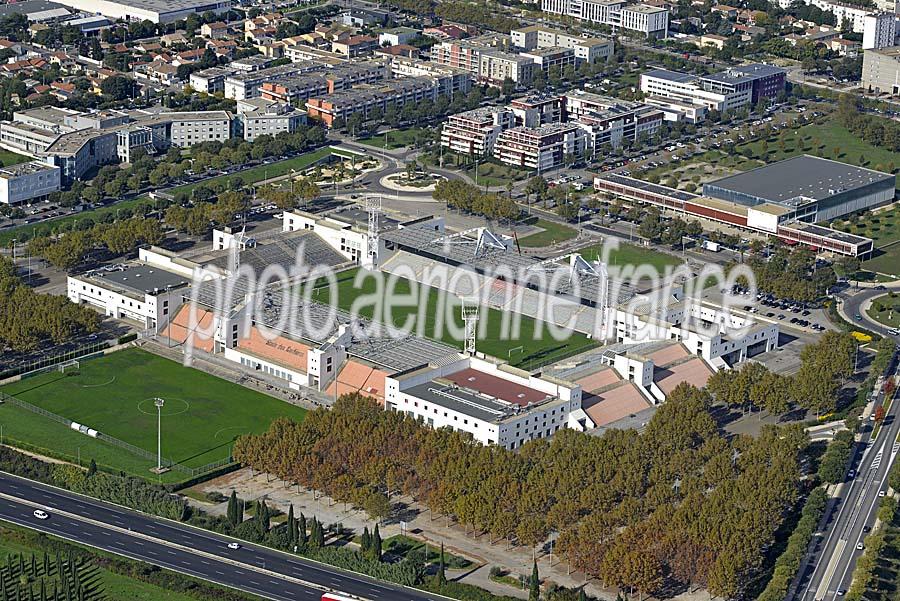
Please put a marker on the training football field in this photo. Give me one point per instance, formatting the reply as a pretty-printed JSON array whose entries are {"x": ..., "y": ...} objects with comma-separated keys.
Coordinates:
[{"x": 115, "y": 394}]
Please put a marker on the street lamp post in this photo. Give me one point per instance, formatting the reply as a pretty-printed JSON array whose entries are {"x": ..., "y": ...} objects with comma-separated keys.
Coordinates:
[{"x": 158, "y": 402}]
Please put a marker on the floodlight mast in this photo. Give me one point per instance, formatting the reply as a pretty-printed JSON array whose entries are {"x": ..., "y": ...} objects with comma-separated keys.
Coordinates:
[{"x": 158, "y": 402}]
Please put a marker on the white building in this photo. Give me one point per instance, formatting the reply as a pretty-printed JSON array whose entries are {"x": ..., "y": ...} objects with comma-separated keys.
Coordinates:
[
  {"x": 586, "y": 49},
  {"x": 141, "y": 292},
  {"x": 540, "y": 148},
  {"x": 28, "y": 181},
  {"x": 342, "y": 235},
  {"x": 652, "y": 21},
  {"x": 260, "y": 117},
  {"x": 493, "y": 402},
  {"x": 473, "y": 133},
  {"x": 879, "y": 30},
  {"x": 157, "y": 11},
  {"x": 607, "y": 120}
]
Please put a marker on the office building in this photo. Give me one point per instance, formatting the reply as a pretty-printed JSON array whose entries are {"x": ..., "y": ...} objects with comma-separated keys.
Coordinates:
[
  {"x": 651, "y": 21},
  {"x": 28, "y": 182},
  {"x": 260, "y": 117},
  {"x": 881, "y": 70},
  {"x": 157, "y": 11},
  {"x": 588, "y": 50}
]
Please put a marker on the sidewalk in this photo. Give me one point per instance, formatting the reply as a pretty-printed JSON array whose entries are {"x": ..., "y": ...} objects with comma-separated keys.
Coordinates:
[{"x": 420, "y": 524}]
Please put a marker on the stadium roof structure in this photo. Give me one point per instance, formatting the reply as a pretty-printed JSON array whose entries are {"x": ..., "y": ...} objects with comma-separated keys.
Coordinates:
[
  {"x": 275, "y": 247},
  {"x": 804, "y": 176},
  {"x": 488, "y": 255}
]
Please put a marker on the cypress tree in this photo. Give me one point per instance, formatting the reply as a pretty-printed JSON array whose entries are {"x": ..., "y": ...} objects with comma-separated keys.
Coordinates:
[
  {"x": 301, "y": 531},
  {"x": 534, "y": 592},
  {"x": 266, "y": 517},
  {"x": 231, "y": 512},
  {"x": 33, "y": 566},
  {"x": 365, "y": 543},
  {"x": 376, "y": 544},
  {"x": 320, "y": 534},
  {"x": 582, "y": 596},
  {"x": 43, "y": 590},
  {"x": 441, "y": 575},
  {"x": 46, "y": 564},
  {"x": 313, "y": 534},
  {"x": 92, "y": 469},
  {"x": 292, "y": 531}
]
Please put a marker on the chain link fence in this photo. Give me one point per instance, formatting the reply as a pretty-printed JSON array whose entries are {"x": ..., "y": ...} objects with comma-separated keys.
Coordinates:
[
  {"x": 44, "y": 363},
  {"x": 173, "y": 465}
]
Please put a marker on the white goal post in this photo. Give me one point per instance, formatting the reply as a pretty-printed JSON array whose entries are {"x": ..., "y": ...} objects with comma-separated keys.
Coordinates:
[{"x": 68, "y": 366}]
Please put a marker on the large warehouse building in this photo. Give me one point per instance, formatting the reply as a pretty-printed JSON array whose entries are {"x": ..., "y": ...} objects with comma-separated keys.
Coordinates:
[
  {"x": 811, "y": 188},
  {"x": 158, "y": 11},
  {"x": 783, "y": 200}
]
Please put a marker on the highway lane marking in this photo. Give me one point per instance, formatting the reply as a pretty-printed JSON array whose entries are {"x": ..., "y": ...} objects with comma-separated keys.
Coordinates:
[{"x": 191, "y": 534}]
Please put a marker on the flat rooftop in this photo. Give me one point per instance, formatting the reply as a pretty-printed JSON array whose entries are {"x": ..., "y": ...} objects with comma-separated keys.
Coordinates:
[
  {"x": 461, "y": 401},
  {"x": 168, "y": 6},
  {"x": 144, "y": 279},
  {"x": 29, "y": 7},
  {"x": 497, "y": 387},
  {"x": 25, "y": 169},
  {"x": 675, "y": 76},
  {"x": 802, "y": 176}
]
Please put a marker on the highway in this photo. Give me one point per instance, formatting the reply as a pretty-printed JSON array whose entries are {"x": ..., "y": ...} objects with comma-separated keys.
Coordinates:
[
  {"x": 181, "y": 548},
  {"x": 828, "y": 570}
]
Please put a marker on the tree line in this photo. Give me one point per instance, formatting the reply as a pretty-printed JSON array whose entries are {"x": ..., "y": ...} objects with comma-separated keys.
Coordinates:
[
  {"x": 466, "y": 197},
  {"x": 28, "y": 318},
  {"x": 791, "y": 273},
  {"x": 824, "y": 366},
  {"x": 677, "y": 503},
  {"x": 877, "y": 131},
  {"x": 118, "y": 238}
]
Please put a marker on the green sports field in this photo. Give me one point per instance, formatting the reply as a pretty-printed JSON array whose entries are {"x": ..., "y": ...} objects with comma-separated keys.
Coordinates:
[
  {"x": 533, "y": 346},
  {"x": 113, "y": 394}
]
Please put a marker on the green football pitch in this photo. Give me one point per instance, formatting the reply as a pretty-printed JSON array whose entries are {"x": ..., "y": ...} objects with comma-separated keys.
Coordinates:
[
  {"x": 533, "y": 346},
  {"x": 114, "y": 394}
]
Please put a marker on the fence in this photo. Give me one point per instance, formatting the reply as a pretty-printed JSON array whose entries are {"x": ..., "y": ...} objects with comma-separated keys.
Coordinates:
[
  {"x": 47, "y": 362},
  {"x": 190, "y": 471}
]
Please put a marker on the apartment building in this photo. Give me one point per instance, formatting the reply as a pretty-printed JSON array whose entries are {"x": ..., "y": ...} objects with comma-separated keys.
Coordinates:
[
  {"x": 210, "y": 81},
  {"x": 189, "y": 128},
  {"x": 28, "y": 182},
  {"x": 540, "y": 148},
  {"x": 450, "y": 80},
  {"x": 473, "y": 133},
  {"x": 881, "y": 70},
  {"x": 495, "y": 66},
  {"x": 607, "y": 120},
  {"x": 588, "y": 50},
  {"x": 295, "y": 89},
  {"x": 854, "y": 14},
  {"x": 879, "y": 30},
  {"x": 537, "y": 109},
  {"x": 551, "y": 58},
  {"x": 259, "y": 117},
  {"x": 240, "y": 86},
  {"x": 652, "y": 21},
  {"x": 363, "y": 99}
]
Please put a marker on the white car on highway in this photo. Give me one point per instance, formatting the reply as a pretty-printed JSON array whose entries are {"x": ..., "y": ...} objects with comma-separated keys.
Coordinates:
[
  {"x": 234, "y": 546},
  {"x": 41, "y": 514}
]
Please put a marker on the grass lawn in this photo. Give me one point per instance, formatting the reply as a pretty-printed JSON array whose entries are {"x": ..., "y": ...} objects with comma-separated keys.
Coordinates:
[
  {"x": 23, "y": 232},
  {"x": 883, "y": 226},
  {"x": 553, "y": 232},
  {"x": 202, "y": 415},
  {"x": 533, "y": 345},
  {"x": 886, "y": 310},
  {"x": 396, "y": 138},
  {"x": 886, "y": 261},
  {"x": 830, "y": 137},
  {"x": 403, "y": 545},
  {"x": 260, "y": 173},
  {"x": 630, "y": 254},
  {"x": 494, "y": 173},
  {"x": 8, "y": 158}
]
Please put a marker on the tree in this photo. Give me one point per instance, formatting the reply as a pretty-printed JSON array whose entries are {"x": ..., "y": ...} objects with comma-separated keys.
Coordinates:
[
  {"x": 376, "y": 544},
  {"x": 233, "y": 511},
  {"x": 301, "y": 532},
  {"x": 441, "y": 575},
  {"x": 534, "y": 584},
  {"x": 117, "y": 87},
  {"x": 292, "y": 526},
  {"x": 92, "y": 469}
]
